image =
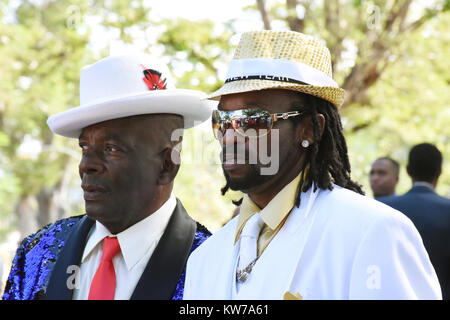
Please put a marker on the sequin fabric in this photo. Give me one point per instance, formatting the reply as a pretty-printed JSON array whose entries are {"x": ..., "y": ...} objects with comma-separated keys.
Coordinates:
[
  {"x": 200, "y": 235},
  {"x": 35, "y": 259},
  {"x": 37, "y": 254}
]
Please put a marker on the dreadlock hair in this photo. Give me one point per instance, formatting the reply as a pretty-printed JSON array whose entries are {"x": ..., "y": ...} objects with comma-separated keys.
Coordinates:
[
  {"x": 327, "y": 158},
  {"x": 225, "y": 189}
]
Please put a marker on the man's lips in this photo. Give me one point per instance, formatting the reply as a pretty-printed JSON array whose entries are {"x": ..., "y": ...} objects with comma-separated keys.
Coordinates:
[
  {"x": 93, "y": 192},
  {"x": 233, "y": 158},
  {"x": 234, "y": 164}
]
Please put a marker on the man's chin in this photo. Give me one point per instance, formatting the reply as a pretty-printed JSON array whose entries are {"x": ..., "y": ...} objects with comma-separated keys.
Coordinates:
[{"x": 95, "y": 211}]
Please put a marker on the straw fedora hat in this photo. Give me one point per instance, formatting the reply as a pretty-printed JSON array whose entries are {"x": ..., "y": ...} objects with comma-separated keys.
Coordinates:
[
  {"x": 281, "y": 60},
  {"x": 128, "y": 85}
]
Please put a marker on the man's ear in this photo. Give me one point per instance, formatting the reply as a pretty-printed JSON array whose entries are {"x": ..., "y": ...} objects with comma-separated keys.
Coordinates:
[
  {"x": 171, "y": 161},
  {"x": 306, "y": 128}
]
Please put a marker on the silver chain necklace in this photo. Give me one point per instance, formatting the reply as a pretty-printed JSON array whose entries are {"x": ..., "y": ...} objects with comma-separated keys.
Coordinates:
[{"x": 242, "y": 275}]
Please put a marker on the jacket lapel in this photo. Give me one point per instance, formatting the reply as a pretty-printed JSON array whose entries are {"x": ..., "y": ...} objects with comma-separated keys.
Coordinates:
[
  {"x": 160, "y": 277},
  {"x": 57, "y": 288}
]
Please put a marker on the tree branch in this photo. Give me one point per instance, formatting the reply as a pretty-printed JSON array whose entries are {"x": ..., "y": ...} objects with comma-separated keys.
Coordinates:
[
  {"x": 420, "y": 21},
  {"x": 332, "y": 17},
  {"x": 294, "y": 22},
  {"x": 395, "y": 14},
  {"x": 264, "y": 15},
  {"x": 366, "y": 73}
]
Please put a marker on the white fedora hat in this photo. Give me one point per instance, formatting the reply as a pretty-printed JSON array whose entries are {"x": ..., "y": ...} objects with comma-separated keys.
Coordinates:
[{"x": 128, "y": 85}]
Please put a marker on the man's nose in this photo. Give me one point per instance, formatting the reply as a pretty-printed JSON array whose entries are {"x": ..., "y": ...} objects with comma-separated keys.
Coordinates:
[
  {"x": 230, "y": 137},
  {"x": 91, "y": 163},
  {"x": 375, "y": 178}
]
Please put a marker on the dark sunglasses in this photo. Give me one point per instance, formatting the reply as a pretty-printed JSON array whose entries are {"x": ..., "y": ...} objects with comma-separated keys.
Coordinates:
[{"x": 251, "y": 122}]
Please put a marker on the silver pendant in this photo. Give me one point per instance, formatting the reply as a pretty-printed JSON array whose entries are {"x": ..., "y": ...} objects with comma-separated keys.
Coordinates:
[{"x": 242, "y": 275}]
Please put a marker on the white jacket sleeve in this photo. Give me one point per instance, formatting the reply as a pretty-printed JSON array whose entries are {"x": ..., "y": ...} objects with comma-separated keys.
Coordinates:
[{"x": 392, "y": 263}]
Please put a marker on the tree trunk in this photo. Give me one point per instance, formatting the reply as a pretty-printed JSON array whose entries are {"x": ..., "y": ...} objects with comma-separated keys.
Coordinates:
[
  {"x": 53, "y": 202},
  {"x": 295, "y": 23},
  {"x": 27, "y": 215},
  {"x": 362, "y": 77},
  {"x": 264, "y": 15}
]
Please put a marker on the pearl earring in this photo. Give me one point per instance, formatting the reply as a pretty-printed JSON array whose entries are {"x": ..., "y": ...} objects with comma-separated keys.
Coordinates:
[{"x": 305, "y": 143}]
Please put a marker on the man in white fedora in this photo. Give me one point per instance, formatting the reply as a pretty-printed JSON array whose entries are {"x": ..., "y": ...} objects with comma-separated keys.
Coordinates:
[
  {"x": 135, "y": 238},
  {"x": 305, "y": 231}
]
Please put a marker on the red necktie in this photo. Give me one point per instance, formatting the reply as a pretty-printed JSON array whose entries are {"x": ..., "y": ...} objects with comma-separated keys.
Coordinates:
[{"x": 103, "y": 285}]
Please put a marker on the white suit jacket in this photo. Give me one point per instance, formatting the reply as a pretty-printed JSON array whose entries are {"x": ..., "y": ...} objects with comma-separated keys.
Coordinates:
[{"x": 337, "y": 245}]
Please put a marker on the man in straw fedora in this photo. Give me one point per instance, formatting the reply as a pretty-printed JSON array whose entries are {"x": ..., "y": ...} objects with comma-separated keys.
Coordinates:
[
  {"x": 305, "y": 231},
  {"x": 134, "y": 240}
]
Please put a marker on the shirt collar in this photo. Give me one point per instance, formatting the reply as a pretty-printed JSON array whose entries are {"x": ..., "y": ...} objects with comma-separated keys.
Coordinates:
[
  {"x": 423, "y": 184},
  {"x": 275, "y": 211},
  {"x": 137, "y": 239}
]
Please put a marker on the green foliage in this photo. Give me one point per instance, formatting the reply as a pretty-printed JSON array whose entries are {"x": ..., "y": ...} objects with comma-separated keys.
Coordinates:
[
  {"x": 124, "y": 16},
  {"x": 410, "y": 105},
  {"x": 198, "y": 47}
]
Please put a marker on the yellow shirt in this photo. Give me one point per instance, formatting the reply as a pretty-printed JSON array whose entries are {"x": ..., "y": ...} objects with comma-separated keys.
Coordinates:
[{"x": 274, "y": 214}]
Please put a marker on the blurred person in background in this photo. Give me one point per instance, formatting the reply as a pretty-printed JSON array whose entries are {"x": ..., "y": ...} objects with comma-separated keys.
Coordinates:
[
  {"x": 134, "y": 240},
  {"x": 384, "y": 175},
  {"x": 429, "y": 211}
]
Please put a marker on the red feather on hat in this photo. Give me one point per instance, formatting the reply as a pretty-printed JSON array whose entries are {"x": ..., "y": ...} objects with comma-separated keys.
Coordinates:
[{"x": 152, "y": 79}]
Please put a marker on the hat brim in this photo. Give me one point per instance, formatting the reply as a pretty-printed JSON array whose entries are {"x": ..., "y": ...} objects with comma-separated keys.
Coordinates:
[
  {"x": 332, "y": 94},
  {"x": 191, "y": 104}
]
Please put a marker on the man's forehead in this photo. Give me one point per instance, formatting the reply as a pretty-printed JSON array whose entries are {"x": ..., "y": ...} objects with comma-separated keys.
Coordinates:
[
  {"x": 382, "y": 164},
  {"x": 114, "y": 128},
  {"x": 142, "y": 127},
  {"x": 105, "y": 132},
  {"x": 270, "y": 99}
]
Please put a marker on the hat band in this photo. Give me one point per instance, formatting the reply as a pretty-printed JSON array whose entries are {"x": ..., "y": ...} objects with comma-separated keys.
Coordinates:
[
  {"x": 278, "y": 70},
  {"x": 265, "y": 77}
]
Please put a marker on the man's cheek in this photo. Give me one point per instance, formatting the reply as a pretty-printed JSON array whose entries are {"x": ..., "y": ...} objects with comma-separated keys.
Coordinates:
[{"x": 269, "y": 153}]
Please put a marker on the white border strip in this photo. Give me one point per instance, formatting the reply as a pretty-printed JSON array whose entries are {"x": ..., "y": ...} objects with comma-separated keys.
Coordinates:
[{"x": 281, "y": 68}]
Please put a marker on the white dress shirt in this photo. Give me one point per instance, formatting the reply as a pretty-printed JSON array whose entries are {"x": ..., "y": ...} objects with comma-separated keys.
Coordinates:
[{"x": 137, "y": 244}]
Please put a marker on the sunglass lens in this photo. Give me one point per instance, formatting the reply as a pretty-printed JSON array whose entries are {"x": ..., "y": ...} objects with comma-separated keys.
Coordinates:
[
  {"x": 255, "y": 126},
  {"x": 216, "y": 123},
  {"x": 253, "y": 122}
]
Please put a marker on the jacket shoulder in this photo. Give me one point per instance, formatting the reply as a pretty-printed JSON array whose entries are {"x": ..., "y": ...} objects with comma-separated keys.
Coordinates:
[
  {"x": 58, "y": 230},
  {"x": 201, "y": 234},
  {"x": 359, "y": 207},
  {"x": 35, "y": 257},
  {"x": 415, "y": 203},
  {"x": 214, "y": 241}
]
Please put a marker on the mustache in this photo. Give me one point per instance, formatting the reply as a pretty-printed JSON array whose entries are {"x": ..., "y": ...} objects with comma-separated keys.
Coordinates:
[
  {"x": 234, "y": 152},
  {"x": 92, "y": 184},
  {"x": 239, "y": 154}
]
